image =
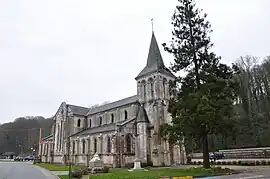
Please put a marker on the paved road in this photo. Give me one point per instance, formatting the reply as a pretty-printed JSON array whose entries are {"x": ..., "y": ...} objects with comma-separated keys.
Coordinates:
[
  {"x": 248, "y": 175},
  {"x": 23, "y": 170}
]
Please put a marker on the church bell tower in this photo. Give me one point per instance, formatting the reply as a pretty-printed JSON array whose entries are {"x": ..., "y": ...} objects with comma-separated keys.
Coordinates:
[{"x": 153, "y": 94}]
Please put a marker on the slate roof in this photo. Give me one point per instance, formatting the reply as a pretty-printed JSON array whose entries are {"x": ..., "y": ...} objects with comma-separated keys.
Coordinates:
[
  {"x": 104, "y": 128},
  {"x": 154, "y": 61},
  {"x": 142, "y": 116},
  {"x": 50, "y": 137},
  {"x": 122, "y": 102},
  {"x": 99, "y": 129},
  {"x": 78, "y": 110}
]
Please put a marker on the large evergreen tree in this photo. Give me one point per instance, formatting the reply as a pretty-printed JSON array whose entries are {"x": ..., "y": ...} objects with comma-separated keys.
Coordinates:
[{"x": 203, "y": 99}]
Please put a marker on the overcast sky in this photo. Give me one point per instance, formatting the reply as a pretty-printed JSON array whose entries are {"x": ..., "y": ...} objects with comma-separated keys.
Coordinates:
[{"x": 86, "y": 52}]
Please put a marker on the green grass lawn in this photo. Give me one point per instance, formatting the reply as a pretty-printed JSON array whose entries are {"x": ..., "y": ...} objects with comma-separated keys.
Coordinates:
[
  {"x": 53, "y": 167},
  {"x": 152, "y": 173}
]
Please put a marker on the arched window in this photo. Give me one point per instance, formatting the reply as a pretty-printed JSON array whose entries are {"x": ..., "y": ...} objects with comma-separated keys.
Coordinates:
[
  {"x": 112, "y": 118},
  {"x": 95, "y": 145},
  {"x": 164, "y": 87},
  {"x": 100, "y": 121},
  {"x": 152, "y": 89},
  {"x": 79, "y": 123},
  {"x": 90, "y": 122},
  {"x": 128, "y": 143},
  {"x": 73, "y": 147},
  {"x": 58, "y": 137},
  {"x": 77, "y": 146},
  {"x": 83, "y": 146},
  {"x": 88, "y": 145},
  {"x": 109, "y": 147},
  {"x": 126, "y": 114},
  {"x": 144, "y": 90}
]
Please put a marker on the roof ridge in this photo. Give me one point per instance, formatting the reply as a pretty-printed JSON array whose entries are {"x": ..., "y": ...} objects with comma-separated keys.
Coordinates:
[
  {"x": 109, "y": 104},
  {"x": 78, "y": 106},
  {"x": 113, "y": 102}
]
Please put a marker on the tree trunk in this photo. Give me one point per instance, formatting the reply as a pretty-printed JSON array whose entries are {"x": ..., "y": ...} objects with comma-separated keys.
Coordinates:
[{"x": 206, "y": 162}]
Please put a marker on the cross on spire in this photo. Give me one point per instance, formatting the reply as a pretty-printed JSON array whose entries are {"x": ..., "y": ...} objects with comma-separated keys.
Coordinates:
[{"x": 152, "y": 22}]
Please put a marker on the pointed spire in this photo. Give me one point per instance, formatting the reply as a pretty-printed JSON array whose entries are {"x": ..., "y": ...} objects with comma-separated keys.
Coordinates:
[
  {"x": 154, "y": 60},
  {"x": 154, "y": 56}
]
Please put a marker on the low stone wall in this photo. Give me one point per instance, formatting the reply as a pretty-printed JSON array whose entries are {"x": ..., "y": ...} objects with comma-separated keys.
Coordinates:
[
  {"x": 6, "y": 160},
  {"x": 243, "y": 162},
  {"x": 263, "y": 152},
  {"x": 247, "y": 153}
]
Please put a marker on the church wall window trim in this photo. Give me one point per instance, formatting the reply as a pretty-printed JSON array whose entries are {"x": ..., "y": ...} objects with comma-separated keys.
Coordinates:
[
  {"x": 73, "y": 147},
  {"x": 90, "y": 124},
  {"x": 126, "y": 114},
  {"x": 151, "y": 82},
  {"x": 112, "y": 118},
  {"x": 83, "y": 146},
  {"x": 144, "y": 90},
  {"x": 100, "y": 121},
  {"x": 95, "y": 145},
  {"x": 128, "y": 143},
  {"x": 79, "y": 123},
  {"x": 109, "y": 145}
]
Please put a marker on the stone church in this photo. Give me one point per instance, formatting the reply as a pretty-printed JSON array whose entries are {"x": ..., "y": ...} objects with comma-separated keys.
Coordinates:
[{"x": 121, "y": 131}]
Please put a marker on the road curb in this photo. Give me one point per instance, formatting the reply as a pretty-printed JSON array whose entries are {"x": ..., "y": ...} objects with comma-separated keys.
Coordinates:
[{"x": 48, "y": 171}]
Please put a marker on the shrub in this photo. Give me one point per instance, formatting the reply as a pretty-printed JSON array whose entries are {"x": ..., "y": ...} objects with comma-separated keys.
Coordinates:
[
  {"x": 258, "y": 162},
  {"x": 263, "y": 162},
  {"x": 229, "y": 162},
  {"x": 218, "y": 162},
  {"x": 79, "y": 170},
  {"x": 239, "y": 162},
  {"x": 97, "y": 170},
  {"x": 149, "y": 163},
  {"x": 268, "y": 162},
  {"x": 227, "y": 171},
  {"x": 106, "y": 170},
  {"x": 188, "y": 159},
  {"x": 143, "y": 165},
  {"x": 224, "y": 162},
  {"x": 199, "y": 162},
  {"x": 76, "y": 174},
  {"x": 222, "y": 170},
  {"x": 84, "y": 169},
  {"x": 212, "y": 162},
  {"x": 217, "y": 168},
  {"x": 129, "y": 165},
  {"x": 234, "y": 162}
]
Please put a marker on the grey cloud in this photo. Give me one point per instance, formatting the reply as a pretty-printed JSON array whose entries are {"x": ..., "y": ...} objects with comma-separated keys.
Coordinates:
[{"x": 86, "y": 52}]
